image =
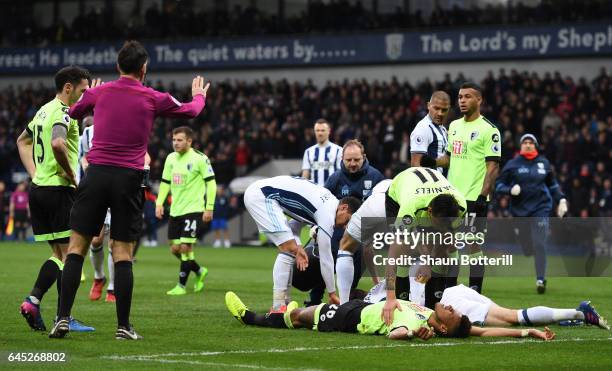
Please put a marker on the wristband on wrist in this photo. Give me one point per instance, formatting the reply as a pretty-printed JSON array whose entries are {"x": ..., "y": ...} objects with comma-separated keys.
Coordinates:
[{"x": 524, "y": 333}]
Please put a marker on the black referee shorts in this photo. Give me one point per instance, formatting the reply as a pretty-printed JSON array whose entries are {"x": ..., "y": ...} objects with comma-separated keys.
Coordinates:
[
  {"x": 113, "y": 187},
  {"x": 50, "y": 212},
  {"x": 343, "y": 318}
]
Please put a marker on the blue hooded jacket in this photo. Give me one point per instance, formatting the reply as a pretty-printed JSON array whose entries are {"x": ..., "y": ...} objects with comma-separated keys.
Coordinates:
[
  {"x": 359, "y": 184},
  {"x": 538, "y": 186}
]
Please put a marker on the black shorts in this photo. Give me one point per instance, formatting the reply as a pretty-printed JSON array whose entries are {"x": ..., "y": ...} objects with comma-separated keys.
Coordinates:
[
  {"x": 113, "y": 187},
  {"x": 343, "y": 318},
  {"x": 50, "y": 212},
  {"x": 474, "y": 222},
  {"x": 185, "y": 228},
  {"x": 311, "y": 277},
  {"x": 21, "y": 216}
]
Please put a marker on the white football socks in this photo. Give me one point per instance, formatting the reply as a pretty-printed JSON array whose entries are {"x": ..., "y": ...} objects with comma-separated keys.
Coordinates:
[
  {"x": 345, "y": 272},
  {"x": 111, "y": 273},
  {"x": 281, "y": 273},
  {"x": 96, "y": 256},
  {"x": 546, "y": 315}
]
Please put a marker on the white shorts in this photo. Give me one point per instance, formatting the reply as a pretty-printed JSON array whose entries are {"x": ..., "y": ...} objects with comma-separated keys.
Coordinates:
[
  {"x": 469, "y": 302},
  {"x": 373, "y": 207},
  {"x": 268, "y": 215}
]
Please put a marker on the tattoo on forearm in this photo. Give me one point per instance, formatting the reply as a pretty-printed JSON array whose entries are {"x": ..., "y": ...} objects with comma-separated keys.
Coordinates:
[
  {"x": 490, "y": 177},
  {"x": 59, "y": 131},
  {"x": 390, "y": 281}
]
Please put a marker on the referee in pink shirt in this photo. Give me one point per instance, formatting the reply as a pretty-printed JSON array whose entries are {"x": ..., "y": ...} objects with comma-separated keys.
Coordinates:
[{"x": 124, "y": 111}]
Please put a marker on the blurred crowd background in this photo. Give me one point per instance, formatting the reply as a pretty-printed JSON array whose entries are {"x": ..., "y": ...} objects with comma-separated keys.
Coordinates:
[
  {"x": 20, "y": 25},
  {"x": 246, "y": 124}
]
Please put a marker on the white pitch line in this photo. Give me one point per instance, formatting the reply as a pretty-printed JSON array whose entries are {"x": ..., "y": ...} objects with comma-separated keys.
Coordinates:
[
  {"x": 218, "y": 364},
  {"x": 152, "y": 357}
]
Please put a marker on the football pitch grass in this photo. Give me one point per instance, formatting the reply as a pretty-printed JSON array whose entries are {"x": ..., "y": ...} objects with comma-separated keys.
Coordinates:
[{"x": 196, "y": 331}]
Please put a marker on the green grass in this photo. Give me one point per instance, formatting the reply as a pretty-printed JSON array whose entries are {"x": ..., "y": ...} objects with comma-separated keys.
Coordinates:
[{"x": 200, "y": 324}]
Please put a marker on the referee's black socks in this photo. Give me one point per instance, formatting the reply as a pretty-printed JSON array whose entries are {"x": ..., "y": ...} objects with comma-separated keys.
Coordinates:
[
  {"x": 124, "y": 285},
  {"x": 71, "y": 279}
]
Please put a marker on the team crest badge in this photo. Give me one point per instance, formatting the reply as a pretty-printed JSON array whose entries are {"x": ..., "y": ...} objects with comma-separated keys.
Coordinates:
[
  {"x": 407, "y": 220},
  {"x": 540, "y": 165},
  {"x": 394, "y": 43},
  {"x": 345, "y": 191},
  {"x": 367, "y": 184}
]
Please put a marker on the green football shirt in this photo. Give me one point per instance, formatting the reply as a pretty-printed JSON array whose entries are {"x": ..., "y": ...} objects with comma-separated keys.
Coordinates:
[
  {"x": 187, "y": 175},
  {"x": 414, "y": 188},
  {"x": 413, "y": 316},
  {"x": 41, "y": 130},
  {"x": 470, "y": 145}
]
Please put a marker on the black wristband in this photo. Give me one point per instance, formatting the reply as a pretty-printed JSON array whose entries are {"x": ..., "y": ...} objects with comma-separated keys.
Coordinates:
[{"x": 481, "y": 198}]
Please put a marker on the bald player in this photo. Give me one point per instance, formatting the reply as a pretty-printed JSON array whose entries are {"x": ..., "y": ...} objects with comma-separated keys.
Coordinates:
[{"x": 429, "y": 136}]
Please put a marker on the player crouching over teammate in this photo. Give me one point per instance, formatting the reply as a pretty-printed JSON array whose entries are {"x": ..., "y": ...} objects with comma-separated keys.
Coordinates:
[
  {"x": 357, "y": 316},
  {"x": 269, "y": 201},
  {"x": 189, "y": 176}
]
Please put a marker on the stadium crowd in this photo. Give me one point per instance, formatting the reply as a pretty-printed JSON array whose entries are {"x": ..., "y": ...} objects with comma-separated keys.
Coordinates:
[
  {"x": 184, "y": 19},
  {"x": 247, "y": 124}
]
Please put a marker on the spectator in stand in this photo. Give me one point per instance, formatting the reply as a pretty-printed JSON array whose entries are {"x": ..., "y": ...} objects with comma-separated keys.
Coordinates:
[
  {"x": 19, "y": 210},
  {"x": 275, "y": 111},
  {"x": 4, "y": 202},
  {"x": 241, "y": 159},
  {"x": 150, "y": 221},
  {"x": 223, "y": 211}
]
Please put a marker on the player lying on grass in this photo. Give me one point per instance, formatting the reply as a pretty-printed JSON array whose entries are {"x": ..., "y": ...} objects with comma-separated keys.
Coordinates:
[
  {"x": 410, "y": 320},
  {"x": 482, "y": 311}
]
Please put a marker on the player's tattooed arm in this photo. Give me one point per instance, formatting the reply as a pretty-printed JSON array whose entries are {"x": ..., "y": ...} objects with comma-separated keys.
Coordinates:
[
  {"x": 490, "y": 177},
  {"x": 60, "y": 151},
  {"x": 391, "y": 304},
  {"x": 391, "y": 269},
  {"x": 443, "y": 161},
  {"x": 25, "y": 147}
]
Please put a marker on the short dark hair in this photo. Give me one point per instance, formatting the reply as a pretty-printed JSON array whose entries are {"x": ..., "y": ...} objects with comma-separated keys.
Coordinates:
[
  {"x": 132, "y": 57},
  {"x": 471, "y": 85},
  {"x": 446, "y": 207},
  {"x": 323, "y": 121},
  {"x": 428, "y": 161},
  {"x": 353, "y": 203},
  {"x": 185, "y": 130},
  {"x": 70, "y": 74},
  {"x": 464, "y": 328}
]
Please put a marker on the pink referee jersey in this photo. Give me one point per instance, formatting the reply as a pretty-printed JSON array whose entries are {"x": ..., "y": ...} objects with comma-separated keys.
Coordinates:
[{"x": 124, "y": 111}]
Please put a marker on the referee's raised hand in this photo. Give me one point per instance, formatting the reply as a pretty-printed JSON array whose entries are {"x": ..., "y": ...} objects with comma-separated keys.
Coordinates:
[
  {"x": 198, "y": 88},
  {"x": 95, "y": 83}
]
